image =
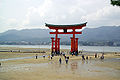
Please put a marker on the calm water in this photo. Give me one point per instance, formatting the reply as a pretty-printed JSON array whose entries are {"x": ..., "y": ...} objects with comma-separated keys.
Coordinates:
[{"x": 84, "y": 48}]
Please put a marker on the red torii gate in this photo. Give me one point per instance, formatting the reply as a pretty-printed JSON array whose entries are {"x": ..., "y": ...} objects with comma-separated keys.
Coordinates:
[{"x": 56, "y": 40}]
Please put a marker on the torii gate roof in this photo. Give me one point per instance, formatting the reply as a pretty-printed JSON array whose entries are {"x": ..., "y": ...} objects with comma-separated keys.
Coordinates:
[{"x": 73, "y": 26}]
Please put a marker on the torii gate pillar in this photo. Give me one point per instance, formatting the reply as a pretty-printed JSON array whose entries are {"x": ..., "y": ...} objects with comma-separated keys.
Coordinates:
[{"x": 56, "y": 43}]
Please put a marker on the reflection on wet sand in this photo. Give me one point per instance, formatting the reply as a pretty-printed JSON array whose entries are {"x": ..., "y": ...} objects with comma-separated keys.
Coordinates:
[{"x": 74, "y": 66}]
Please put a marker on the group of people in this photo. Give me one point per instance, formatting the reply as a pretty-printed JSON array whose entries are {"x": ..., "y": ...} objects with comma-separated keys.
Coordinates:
[
  {"x": 102, "y": 57},
  {"x": 36, "y": 56},
  {"x": 66, "y": 59},
  {"x": 74, "y": 53},
  {"x": 50, "y": 57}
]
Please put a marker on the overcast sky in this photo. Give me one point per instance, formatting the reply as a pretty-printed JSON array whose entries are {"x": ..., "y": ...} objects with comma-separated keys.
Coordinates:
[{"x": 27, "y": 14}]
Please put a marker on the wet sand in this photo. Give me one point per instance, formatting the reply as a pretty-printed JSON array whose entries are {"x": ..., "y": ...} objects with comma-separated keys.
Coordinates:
[{"x": 76, "y": 69}]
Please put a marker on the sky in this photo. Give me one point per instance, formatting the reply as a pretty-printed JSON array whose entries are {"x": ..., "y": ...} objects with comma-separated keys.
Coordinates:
[{"x": 31, "y": 14}]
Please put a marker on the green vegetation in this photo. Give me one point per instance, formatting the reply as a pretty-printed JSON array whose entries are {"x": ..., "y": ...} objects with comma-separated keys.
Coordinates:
[{"x": 115, "y": 2}]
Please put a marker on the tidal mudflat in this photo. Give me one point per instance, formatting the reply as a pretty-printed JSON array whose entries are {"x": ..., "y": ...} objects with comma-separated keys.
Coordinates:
[{"x": 51, "y": 69}]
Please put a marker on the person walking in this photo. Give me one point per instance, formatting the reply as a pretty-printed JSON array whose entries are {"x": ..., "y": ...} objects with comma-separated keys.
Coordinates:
[
  {"x": 60, "y": 60},
  {"x": 72, "y": 53},
  {"x": 36, "y": 56},
  {"x": 44, "y": 56},
  {"x": 51, "y": 57},
  {"x": 86, "y": 57},
  {"x": 102, "y": 57},
  {"x": 83, "y": 58},
  {"x": 95, "y": 55},
  {"x": 66, "y": 61},
  {"x": 48, "y": 57}
]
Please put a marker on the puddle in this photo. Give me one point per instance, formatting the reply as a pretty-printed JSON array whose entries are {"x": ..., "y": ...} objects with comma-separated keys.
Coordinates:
[
  {"x": 20, "y": 58},
  {"x": 82, "y": 68},
  {"x": 117, "y": 58}
]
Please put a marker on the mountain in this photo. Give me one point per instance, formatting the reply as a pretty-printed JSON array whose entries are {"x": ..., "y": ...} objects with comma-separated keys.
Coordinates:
[
  {"x": 104, "y": 33},
  {"x": 31, "y": 35}
]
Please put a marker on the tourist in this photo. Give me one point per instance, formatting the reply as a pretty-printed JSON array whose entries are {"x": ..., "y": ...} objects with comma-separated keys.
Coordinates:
[
  {"x": 66, "y": 61},
  {"x": 51, "y": 57},
  {"x": 95, "y": 55},
  {"x": 102, "y": 57},
  {"x": 0, "y": 64},
  {"x": 76, "y": 53},
  {"x": 63, "y": 54},
  {"x": 72, "y": 53},
  {"x": 60, "y": 60},
  {"x": 48, "y": 57},
  {"x": 67, "y": 57},
  {"x": 36, "y": 56},
  {"x": 87, "y": 57},
  {"x": 44, "y": 56},
  {"x": 83, "y": 58}
]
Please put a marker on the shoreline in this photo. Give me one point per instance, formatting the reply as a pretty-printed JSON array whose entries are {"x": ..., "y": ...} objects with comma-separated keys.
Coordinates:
[{"x": 80, "y": 48}]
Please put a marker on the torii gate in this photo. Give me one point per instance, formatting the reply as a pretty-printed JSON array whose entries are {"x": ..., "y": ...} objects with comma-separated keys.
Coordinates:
[{"x": 56, "y": 40}]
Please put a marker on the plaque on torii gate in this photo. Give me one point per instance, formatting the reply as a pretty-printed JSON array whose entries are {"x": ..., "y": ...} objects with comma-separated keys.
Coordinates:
[{"x": 65, "y": 28}]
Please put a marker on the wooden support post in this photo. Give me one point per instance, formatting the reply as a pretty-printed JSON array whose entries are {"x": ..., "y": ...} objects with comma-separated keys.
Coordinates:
[
  {"x": 56, "y": 40},
  {"x": 73, "y": 40},
  {"x": 76, "y": 44},
  {"x": 52, "y": 44},
  {"x": 59, "y": 44},
  {"x": 71, "y": 44}
]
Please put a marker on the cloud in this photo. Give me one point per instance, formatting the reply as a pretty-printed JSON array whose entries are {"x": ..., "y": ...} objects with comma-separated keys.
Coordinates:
[
  {"x": 35, "y": 13},
  {"x": 52, "y": 12},
  {"x": 12, "y": 22},
  {"x": 108, "y": 15},
  {"x": 6, "y": 24}
]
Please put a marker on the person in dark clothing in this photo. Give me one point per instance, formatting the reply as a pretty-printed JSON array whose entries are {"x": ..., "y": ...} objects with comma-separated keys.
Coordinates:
[
  {"x": 44, "y": 56},
  {"x": 51, "y": 57},
  {"x": 87, "y": 57},
  {"x": 102, "y": 57},
  {"x": 95, "y": 55},
  {"x": 83, "y": 58},
  {"x": 66, "y": 61},
  {"x": 67, "y": 57},
  {"x": 63, "y": 54},
  {"x": 72, "y": 53},
  {"x": 36, "y": 56},
  {"x": 60, "y": 60}
]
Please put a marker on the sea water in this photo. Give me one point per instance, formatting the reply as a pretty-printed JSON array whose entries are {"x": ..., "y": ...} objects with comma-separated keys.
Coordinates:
[{"x": 80, "y": 48}]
